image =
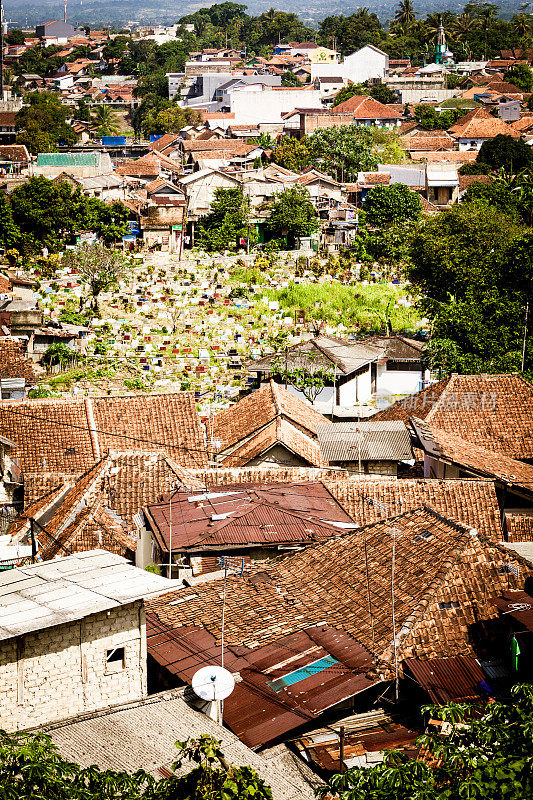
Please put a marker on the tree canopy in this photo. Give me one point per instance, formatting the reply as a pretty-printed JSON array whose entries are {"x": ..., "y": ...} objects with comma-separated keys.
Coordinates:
[
  {"x": 506, "y": 152},
  {"x": 482, "y": 756},
  {"x": 385, "y": 205},
  {"x": 42, "y": 125},
  {"x": 343, "y": 151},
  {"x": 226, "y": 222},
  {"x": 291, "y": 214}
]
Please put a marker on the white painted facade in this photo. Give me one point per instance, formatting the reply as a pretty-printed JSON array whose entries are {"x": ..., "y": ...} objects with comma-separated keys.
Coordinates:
[
  {"x": 267, "y": 106},
  {"x": 366, "y": 63},
  {"x": 470, "y": 144}
]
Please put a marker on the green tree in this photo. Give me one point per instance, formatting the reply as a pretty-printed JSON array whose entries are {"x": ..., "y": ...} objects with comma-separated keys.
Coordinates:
[
  {"x": 347, "y": 92},
  {"x": 484, "y": 755},
  {"x": 15, "y": 37},
  {"x": 383, "y": 94},
  {"x": 475, "y": 294},
  {"x": 521, "y": 76},
  {"x": 405, "y": 16},
  {"x": 226, "y": 222},
  {"x": 474, "y": 168},
  {"x": 58, "y": 353},
  {"x": 290, "y": 79},
  {"x": 343, "y": 151},
  {"x": 32, "y": 767},
  {"x": 106, "y": 121},
  {"x": 292, "y": 153},
  {"x": 506, "y": 152},
  {"x": 98, "y": 266},
  {"x": 385, "y": 205},
  {"x": 291, "y": 214},
  {"x": 9, "y": 232},
  {"x": 41, "y": 125}
]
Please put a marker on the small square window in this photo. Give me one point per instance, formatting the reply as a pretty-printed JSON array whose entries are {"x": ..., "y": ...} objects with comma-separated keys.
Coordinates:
[{"x": 115, "y": 659}]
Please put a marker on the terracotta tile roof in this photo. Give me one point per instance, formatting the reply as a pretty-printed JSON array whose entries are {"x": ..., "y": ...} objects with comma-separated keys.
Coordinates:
[
  {"x": 270, "y": 473},
  {"x": 261, "y": 408},
  {"x": 406, "y": 127},
  {"x": 522, "y": 124},
  {"x": 415, "y": 405},
  {"x": 164, "y": 141},
  {"x": 467, "y": 180},
  {"x": 93, "y": 528},
  {"x": 68, "y": 435},
  {"x": 446, "y": 446},
  {"x": 13, "y": 363},
  {"x": 479, "y": 124},
  {"x": 438, "y": 562},
  {"x": 445, "y": 156},
  {"x": 422, "y": 142},
  {"x": 83, "y": 488},
  {"x": 18, "y": 153},
  {"x": 374, "y": 178},
  {"x": 212, "y": 144},
  {"x": 519, "y": 525},
  {"x": 365, "y": 107},
  {"x": 470, "y": 502},
  {"x": 20, "y": 526},
  {"x": 493, "y": 411}
]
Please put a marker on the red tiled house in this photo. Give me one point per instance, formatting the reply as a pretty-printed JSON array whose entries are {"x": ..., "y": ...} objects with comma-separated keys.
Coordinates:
[{"x": 270, "y": 426}]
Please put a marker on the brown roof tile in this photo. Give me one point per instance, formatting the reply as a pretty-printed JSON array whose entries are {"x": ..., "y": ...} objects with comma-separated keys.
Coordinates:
[
  {"x": 479, "y": 124},
  {"x": 13, "y": 363}
]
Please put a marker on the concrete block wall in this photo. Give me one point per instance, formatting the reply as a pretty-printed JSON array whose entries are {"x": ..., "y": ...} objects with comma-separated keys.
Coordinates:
[{"x": 62, "y": 671}]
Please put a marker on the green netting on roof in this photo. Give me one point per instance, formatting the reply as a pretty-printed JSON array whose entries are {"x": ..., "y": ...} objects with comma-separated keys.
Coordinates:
[{"x": 67, "y": 160}]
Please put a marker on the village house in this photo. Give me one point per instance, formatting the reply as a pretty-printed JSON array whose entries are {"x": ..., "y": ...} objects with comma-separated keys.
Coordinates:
[
  {"x": 305, "y": 622},
  {"x": 17, "y": 374},
  {"x": 269, "y": 426},
  {"x": 248, "y": 523},
  {"x": 479, "y": 126},
  {"x": 72, "y": 637}
]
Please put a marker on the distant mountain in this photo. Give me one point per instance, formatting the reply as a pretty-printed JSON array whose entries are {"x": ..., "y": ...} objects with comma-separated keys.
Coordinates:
[{"x": 150, "y": 12}]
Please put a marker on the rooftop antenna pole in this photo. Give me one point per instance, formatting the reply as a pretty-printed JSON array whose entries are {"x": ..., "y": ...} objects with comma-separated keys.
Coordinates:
[
  {"x": 223, "y": 611},
  {"x": 64, "y": 10},
  {"x": 396, "y": 682},
  {"x": 525, "y": 337},
  {"x": 170, "y": 535}
]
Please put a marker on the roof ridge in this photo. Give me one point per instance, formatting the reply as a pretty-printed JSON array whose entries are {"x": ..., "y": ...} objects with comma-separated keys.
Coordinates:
[{"x": 275, "y": 398}]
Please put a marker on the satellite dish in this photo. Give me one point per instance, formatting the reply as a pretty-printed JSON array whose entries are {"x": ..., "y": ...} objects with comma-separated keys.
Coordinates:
[{"x": 213, "y": 683}]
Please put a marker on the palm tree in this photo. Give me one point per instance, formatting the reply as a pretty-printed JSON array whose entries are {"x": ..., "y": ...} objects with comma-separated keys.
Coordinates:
[
  {"x": 405, "y": 15},
  {"x": 462, "y": 27},
  {"x": 521, "y": 25},
  {"x": 106, "y": 120}
]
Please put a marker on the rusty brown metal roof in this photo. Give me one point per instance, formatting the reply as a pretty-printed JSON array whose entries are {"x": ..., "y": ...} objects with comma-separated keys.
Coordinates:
[
  {"x": 448, "y": 679},
  {"x": 246, "y": 514},
  {"x": 283, "y": 685},
  {"x": 519, "y": 606}
]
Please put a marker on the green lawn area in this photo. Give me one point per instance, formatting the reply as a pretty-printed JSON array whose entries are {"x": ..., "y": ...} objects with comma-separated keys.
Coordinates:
[{"x": 357, "y": 307}]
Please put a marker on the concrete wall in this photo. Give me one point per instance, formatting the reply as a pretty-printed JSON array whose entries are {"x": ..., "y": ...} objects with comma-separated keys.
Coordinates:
[
  {"x": 268, "y": 106},
  {"x": 400, "y": 382},
  {"x": 360, "y": 66},
  {"x": 202, "y": 192},
  {"x": 62, "y": 671}
]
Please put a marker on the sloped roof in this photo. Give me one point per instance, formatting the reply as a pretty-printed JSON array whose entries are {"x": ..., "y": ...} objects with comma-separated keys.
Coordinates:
[
  {"x": 194, "y": 145},
  {"x": 148, "y": 730},
  {"x": 68, "y": 435},
  {"x": 415, "y": 405},
  {"x": 397, "y": 348},
  {"x": 365, "y": 107},
  {"x": 68, "y": 159},
  {"x": 243, "y": 515},
  {"x": 479, "y": 124},
  {"x": 261, "y": 408},
  {"x": 444, "y": 579},
  {"x": 471, "y": 502},
  {"x": 324, "y": 351},
  {"x": 446, "y": 446},
  {"x": 18, "y": 153},
  {"x": 13, "y": 363},
  {"x": 368, "y": 441}
]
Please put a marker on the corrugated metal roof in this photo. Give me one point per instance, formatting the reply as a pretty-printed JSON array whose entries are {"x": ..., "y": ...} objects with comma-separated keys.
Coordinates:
[
  {"x": 142, "y": 735},
  {"x": 448, "y": 679},
  {"x": 370, "y": 441},
  {"x": 68, "y": 159},
  {"x": 54, "y": 592},
  {"x": 246, "y": 515},
  {"x": 255, "y": 711}
]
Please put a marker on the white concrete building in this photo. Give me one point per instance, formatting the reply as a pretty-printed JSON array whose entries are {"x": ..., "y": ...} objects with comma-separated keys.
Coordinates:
[
  {"x": 366, "y": 63},
  {"x": 267, "y": 105}
]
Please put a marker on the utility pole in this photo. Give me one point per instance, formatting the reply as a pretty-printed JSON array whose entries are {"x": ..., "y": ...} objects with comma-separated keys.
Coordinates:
[{"x": 525, "y": 337}]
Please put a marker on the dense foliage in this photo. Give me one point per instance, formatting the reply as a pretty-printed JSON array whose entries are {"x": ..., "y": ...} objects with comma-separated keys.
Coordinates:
[
  {"x": 227, "y": 221},
  {"x": 512, "y": 154},
  {"x": 473, "y": 266},
  {"x": 42, "y": 125},
  {"x": 31, "y": 767},
  {"x": 42, "y": 213},
  {"x": 291, "y": 214},
  {"x": 487, "y": 756},
  {"x": 385, "y": 205}
]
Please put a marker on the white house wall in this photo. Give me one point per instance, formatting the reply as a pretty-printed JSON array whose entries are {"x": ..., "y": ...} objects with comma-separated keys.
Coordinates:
[
  {"x": 399, "y": 381},
  {"x": 268, "y": 106},
  {"x": 360, "y": 66}
]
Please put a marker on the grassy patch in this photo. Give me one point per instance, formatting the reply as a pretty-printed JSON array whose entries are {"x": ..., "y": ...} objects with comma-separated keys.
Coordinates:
[{"x": 358, "y": 307}]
